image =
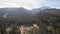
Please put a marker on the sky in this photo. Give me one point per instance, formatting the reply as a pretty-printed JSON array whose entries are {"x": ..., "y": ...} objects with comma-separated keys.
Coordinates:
[{"x": 29, "y": 4}]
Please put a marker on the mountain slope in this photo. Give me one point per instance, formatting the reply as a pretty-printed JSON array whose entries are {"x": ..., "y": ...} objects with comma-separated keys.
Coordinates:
[
  {"x": 20, "y": 14},
  {"x": 39, "y": 9},
  {"x": 2, "y": 12},
  {"x": 49, "y": 11}
]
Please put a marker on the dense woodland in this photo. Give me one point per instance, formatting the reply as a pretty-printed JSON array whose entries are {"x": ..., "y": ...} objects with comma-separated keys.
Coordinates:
[{"x": 48, "y": 21}]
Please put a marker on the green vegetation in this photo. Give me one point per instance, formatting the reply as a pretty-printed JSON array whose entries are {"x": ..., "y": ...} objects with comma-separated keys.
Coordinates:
[{"x": 48, "y": 23}]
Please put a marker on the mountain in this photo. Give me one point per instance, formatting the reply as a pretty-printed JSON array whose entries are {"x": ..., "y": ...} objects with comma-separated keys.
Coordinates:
[
  {"x": 15, "y": 13},
  {"x": 39, "y": 9},
  {"x": 51, "y": 11},
  {"x": 48, "y": 16},
  {"x": 18, "y": 12},
  {"x": 2, "y": 12},
  {"x": 23, "y": 14}
]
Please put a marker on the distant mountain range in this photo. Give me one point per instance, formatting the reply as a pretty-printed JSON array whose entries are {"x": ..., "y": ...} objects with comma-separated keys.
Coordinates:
[
  {"x": 22, "y": 12},
  {"x": 2, "y": 12},
  {"x": 18, "y": 12},
  {"x": 39, "y": 9},
  {"x": 49, "y": 11},
  {"x": 14, "y": 11}
]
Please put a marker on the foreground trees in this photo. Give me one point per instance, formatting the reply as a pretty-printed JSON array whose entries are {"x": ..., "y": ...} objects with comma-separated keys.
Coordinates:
[{"x": 45, "y": 25}]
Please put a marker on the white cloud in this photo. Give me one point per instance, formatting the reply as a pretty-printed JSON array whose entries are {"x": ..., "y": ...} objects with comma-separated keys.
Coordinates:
[
  {"x": 29, "y": 4},
  {"x": 19, "y": 3}
]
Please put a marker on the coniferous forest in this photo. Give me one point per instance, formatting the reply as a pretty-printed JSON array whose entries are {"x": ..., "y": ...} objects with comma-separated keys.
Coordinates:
[{"x": 22, "y": 21}]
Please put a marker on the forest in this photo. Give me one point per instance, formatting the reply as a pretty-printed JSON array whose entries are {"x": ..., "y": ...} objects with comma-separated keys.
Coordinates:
[{"x": 20, "y": 21}]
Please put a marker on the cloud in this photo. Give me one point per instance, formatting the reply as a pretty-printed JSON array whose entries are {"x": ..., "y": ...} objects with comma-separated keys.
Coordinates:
[
  {"x": 29, "y": 4},
  {"x": 19, "y": 3},
  {"x": 53, "y": 3}
]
